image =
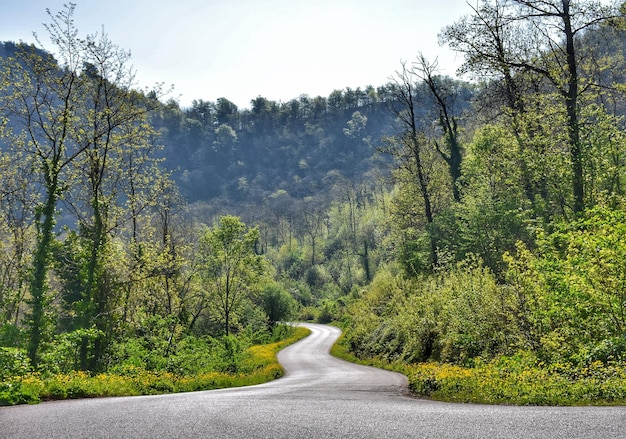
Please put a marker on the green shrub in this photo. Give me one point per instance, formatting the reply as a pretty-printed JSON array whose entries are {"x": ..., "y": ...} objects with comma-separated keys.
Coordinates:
[
  {"x": 329, "y": 311},
  {"x": 455, "y": 315},
  {"x": 14, "y": 362},
  {"x": 608, "y": 350},
  {"x": 230, "y": 354},
  {"x": 521, "y": 379},
  {"x": 63, "y": 354},
  {"x": 277, "y": 304},
  {"x": 14, "y": 392},
  {"x": 10, "y": 335}
]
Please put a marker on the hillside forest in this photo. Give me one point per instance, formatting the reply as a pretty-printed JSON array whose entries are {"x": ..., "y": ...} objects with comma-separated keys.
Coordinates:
[{"x": 469, "y": 221}]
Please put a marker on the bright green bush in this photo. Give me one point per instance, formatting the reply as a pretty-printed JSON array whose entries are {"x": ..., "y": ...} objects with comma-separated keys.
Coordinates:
[
  {"x": 13, "y": 362},
  {"x": 10, "y": 335},
  {"x": 456, "y": 315},
  {"x": 277, "y": 304},
  {"x": 63, "y": 354}
]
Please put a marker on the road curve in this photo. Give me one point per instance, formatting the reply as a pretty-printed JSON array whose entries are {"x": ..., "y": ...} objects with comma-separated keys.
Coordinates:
[{"x": 319, "y": 397}]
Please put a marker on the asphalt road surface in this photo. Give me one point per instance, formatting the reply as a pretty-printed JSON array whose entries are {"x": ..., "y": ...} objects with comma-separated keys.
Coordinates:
[{"x": 320, "y": 397}]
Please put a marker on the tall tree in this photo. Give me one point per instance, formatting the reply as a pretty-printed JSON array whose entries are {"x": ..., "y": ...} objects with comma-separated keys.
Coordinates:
[
  {"x": 313, "y": 218},
  {"x": 39, "y": 97},
  {"x": 486, "y": 39},
  {"x": 119, "y": 173},
  {"x": 446, "y": 106},
  {"x": 16, "y": 234},
  {"x": 76, "y": 122},
  {"x": 409, "y": 147},
  {"x": 549, "y": 47}
]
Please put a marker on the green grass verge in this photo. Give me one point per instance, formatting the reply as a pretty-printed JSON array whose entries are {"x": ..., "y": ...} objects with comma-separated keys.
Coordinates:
[
  {"x": 516, "y": 380},
  {"x": 261, "y": 365}
]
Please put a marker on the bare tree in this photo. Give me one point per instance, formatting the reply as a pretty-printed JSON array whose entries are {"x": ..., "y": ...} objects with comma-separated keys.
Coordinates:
[
  {"x": 444, "y": 98},
  {"x": 410, "y": 148}
]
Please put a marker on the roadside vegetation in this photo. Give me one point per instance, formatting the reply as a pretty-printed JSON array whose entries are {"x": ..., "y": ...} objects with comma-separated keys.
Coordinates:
[
  {"x": 512, "y": 380},
  {"x": 196, "y": 364}
]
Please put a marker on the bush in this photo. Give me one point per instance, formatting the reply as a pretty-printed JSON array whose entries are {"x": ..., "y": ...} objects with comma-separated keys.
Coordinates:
[
  {"x": 608, "y": 351},
  {"x": 13, "y": 392},
  {"x": 277, "y": 303},
  {"x": 329, "y": 311},
  {"x": 230, "y": 354},
  {"x": 63, "y": 354},
  {"x": 455, "y": 315},
  {"x": 10, "y": 335},
  {"x": 14, "y": 362},
  {"x": 521, "y": 379}
]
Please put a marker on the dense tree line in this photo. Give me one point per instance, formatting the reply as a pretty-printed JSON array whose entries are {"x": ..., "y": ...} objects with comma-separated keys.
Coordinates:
[
  {"x": 524, "y": 250},
  {"x": 97, "y": 250},
  {"x": 220, "y": 151}
]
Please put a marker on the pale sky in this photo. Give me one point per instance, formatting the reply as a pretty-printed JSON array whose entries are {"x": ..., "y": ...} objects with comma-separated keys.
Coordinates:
[{"x": 241, "y": 49}]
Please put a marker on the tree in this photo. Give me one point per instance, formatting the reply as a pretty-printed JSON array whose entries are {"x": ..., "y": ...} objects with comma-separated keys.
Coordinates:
[
  {"x": 486, "y": 39},
  {"x": 226, "y": 112},
  {"x": 277, "y": 303},
  {"x": 549, "y": 48},
  {"x": 355, "y": 127},
  {"x": 228, "y": 266},
  {"x": 313, "y": 219},
  {"x": 82, "y": 128},
  {"x": 39, "y": 97},
  {"x": 444, "y": 96},
  {"x": 118, "y": 154},
  {"x": 16, "y": 235},
  {"x": 409, "y": 148}
]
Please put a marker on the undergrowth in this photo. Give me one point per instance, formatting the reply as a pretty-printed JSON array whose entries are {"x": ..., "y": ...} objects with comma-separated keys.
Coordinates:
[
  {"x": 258, "y": 365},
  {"x": 518, "y": 380}
]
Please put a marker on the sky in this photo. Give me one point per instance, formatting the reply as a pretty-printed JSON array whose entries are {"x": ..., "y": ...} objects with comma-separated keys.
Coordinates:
[{"x": 242, "y": 49}]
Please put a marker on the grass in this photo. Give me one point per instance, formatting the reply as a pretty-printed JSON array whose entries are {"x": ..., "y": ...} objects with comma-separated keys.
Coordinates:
[
  {"x": 260, "y": 365},
  {"x": 516, "y": 380}
]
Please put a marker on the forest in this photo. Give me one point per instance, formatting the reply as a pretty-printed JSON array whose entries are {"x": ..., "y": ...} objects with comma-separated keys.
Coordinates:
[{"x": 470, "y": 233}]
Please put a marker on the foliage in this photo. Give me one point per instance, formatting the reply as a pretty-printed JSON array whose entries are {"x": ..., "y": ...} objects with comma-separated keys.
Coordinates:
[
  {"x": 496, "y": 247},
  {"x": 63, "y": 354},
  {"x": 257, "y": 364},
  {"x": 11, "y": 335},
  {"x": 229, "y": 268},
  {"x": 455, "y": 316},
  {"x": 278, "y": 304},
  {"x": 13, "y": 362},
  {"x": 520, "y": 379},
  {"x": 563, "y": 305},
  {"x": 328, "y": 312},
  {"x": 88, "y": 147}
]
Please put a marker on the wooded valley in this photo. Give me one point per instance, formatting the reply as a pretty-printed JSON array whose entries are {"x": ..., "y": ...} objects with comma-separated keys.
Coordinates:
[{"x": 457, "y": 225}]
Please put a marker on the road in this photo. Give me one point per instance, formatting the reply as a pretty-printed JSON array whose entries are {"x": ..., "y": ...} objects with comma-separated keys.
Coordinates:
[{"x": 319, "y": 397}]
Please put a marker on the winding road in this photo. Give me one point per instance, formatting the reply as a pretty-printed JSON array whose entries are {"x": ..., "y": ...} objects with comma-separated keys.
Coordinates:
[{"x": 319, "y": 397}]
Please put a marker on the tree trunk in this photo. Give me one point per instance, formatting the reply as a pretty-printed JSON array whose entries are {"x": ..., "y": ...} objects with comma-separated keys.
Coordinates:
[
  {"x": 571, "y": 104},
  {"x": 38, "y": 286}
]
